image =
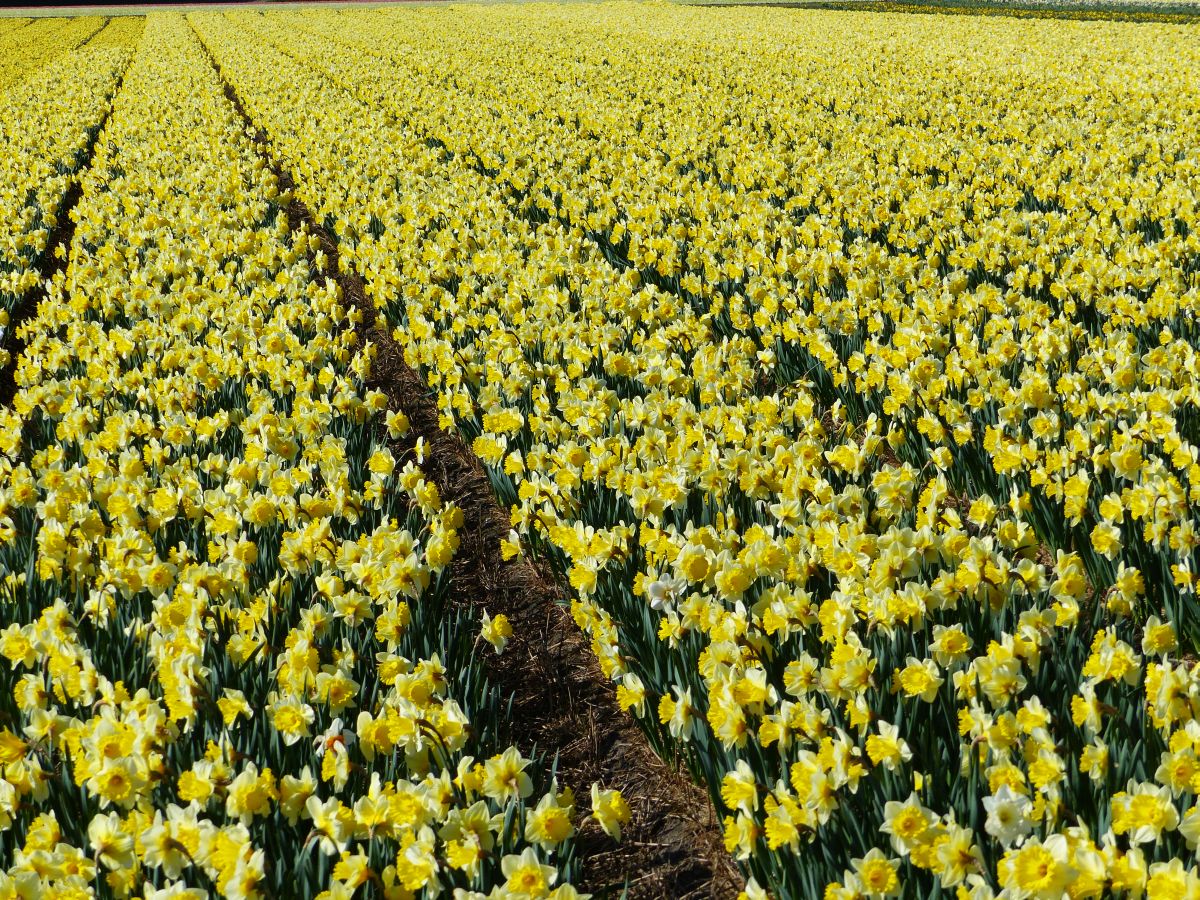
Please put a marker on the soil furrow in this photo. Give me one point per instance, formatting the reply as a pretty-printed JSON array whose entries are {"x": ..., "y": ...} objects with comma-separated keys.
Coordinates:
[
  {"x": 562, "y": 705},
  {"x": 53, "y": 261}
]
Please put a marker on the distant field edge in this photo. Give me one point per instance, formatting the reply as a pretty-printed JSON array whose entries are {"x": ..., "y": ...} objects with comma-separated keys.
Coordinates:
[
  {"x": 1185, "y": 13},
  {"x": 1164, "y": 13},
  {"x": 142, "y": 9}
]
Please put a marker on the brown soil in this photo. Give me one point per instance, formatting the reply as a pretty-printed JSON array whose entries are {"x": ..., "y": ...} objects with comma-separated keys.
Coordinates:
[
  {"x": 561, "y": 702},
  {"x": 49, "y": 265}
]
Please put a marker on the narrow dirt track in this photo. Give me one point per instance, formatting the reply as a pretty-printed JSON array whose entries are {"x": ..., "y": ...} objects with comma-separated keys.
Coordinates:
[
  {"x": 51, "y": 263},
  {"x": 48, "y": 266},
  {"x": 562, "y": 703}
]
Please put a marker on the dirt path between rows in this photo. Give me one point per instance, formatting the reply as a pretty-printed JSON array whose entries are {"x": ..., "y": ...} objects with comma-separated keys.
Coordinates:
[
  {"x": 53, "y": 259},
  {"x": 561, "y": 702}
]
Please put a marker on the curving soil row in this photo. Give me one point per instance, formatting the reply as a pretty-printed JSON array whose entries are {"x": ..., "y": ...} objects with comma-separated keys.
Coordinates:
[
  {"x": 562, "y": 705},
  {"x": 52, "y": 262},
  {"x": 54, "y": 258}
]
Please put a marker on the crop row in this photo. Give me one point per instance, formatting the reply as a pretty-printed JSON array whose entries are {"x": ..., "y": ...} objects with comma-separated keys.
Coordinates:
[
  {"x": 51, "y": 119},
  {"x": 234, "y": 663}
]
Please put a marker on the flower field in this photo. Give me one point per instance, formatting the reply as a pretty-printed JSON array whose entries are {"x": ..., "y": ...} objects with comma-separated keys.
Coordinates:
[
  {"x": 841, "y": 370},
  {"x": 55, "y": 115}
]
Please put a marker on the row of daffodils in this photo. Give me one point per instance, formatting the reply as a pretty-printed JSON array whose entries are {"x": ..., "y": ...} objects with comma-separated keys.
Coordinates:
[
  {"x": 844, "y": 366},
  {"x": 25, "y": 49},
  {"x": 231, "y": 661},
  {"x": 51, "y": 118},
  {"x": 9, "y": 25}
]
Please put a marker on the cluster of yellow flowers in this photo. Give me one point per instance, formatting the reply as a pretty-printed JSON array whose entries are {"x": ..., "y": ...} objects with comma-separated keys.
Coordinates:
[
  {"x": 25, "y": 49},
  {"x": 231, "y": 663},
  {"x": 51, "y": 118},
  {"x": 122, "y": 33},
  {"x": 845, "y": 367},
  {"x": 10, "y": 24}
]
